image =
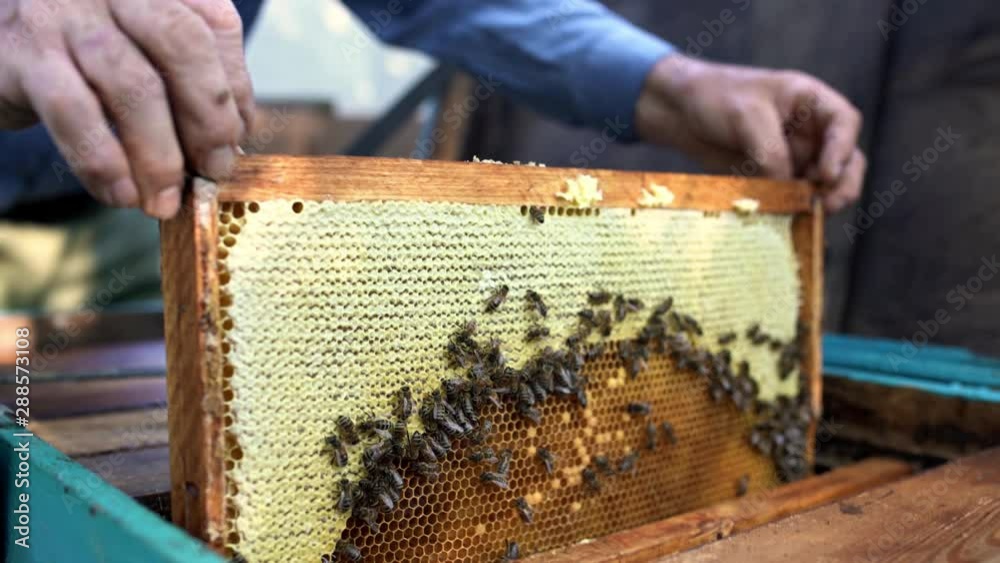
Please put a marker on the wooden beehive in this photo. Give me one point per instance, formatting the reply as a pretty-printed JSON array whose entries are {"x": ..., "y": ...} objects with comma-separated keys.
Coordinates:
[{"x": 303, "y": 289}]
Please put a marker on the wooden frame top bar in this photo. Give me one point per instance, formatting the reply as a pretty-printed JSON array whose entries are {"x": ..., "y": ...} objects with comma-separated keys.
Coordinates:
[{"x": 341, "y": 178}]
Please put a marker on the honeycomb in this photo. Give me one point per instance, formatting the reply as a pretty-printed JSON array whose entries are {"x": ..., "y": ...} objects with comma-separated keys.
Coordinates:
[{"x": 328, "y": 308}]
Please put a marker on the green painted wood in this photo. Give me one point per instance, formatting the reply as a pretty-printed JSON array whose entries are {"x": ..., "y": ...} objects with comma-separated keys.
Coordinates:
[{"x": 76, "y": 516}]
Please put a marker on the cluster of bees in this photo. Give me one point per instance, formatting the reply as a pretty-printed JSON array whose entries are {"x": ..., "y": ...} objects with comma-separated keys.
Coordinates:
[{"x": 452, "y": 414}]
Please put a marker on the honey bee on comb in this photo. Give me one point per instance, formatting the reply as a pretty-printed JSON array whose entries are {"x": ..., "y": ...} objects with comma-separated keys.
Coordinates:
[
  {"x": 497, "y": 299},
  {"x": 727, "y": 338},
  {"x": 639, "y": 409},
  {"x": 512, "y": 553},
  {"x": 483, "y": 455},
  {"x": 548, "y": 459},
  {"x": 494, "y": 479},
  {"x": 668, "y": 430},
  {"x": 524, "y": 510},
  {"x": 348, "y": 432},
  {"x": 590, "y": 479},
  {"x": 347, "y": 550},
  {"x": 600, "y": 297},
  {"x": 743, "y": 485},
  {"x": 345, "y": 501},
  {"x": 536, "y": 302},
  {"x": 537, "y": 214},
  {"x": 404, "y": 403},
  {"x": 536, "y": 333},
  {"x": 629, "y": 464},
  {"x": 651, "y": 436},
  {"x": 338, "y": 449},
  {"x": 604, "y": 465}
]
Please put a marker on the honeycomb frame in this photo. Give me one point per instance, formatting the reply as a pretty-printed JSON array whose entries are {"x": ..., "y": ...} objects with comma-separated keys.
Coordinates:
[{"x": 195, "y": 307}]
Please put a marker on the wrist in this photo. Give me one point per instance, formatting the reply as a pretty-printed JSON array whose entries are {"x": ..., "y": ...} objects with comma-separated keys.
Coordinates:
[{"x": 659, "y": 108}]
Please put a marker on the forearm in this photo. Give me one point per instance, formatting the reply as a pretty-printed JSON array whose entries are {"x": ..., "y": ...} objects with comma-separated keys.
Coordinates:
[{"x": 575, "y": 61}]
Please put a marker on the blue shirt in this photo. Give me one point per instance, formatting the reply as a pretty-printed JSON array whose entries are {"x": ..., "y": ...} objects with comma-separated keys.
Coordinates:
[{"x": 571, "y": 59}]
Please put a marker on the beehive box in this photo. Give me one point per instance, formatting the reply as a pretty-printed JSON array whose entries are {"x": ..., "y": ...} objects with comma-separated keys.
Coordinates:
[{"x": 308, "y": 289}]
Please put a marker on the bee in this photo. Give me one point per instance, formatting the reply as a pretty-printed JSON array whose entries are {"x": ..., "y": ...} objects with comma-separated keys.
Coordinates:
[
  {"x": 537, "y": 214},
  {"x": 376, "y": 428},
  {"x": 513, "y": 552},
  {"x": 581, "y": 394},
  {"x": 339, "y": 451},
  {"x": 590, "y": 478},
  {"x": 503, "y": 461},
  {"x": 374, "y": 454},
  {"x": 418, "y": 449},
  {"x": 427, "y": 470},
  {"x": 663, "y": 307},
  {"x": 759, "y": 339},
  {"x": 743, "y": 485},
  {"x": 668, "y": 430},
  {"x": 651, "y": 436},
  {"x": 346, "y": 499},
  {"x": 348, "y": 432},
  {"x": 692, "y": 325},
  {"x": 482, "y": 433},
  {"x": 639, "y": 409},
  {"x": 634, "y": 305},
  {"x": 529, "y": 412},
  {"x": 524, "y": 509},
  {"x": 547, "y": 459},
  {"x": 535, "y": 300},
  {"x": 629, "y": 464},
  {"x": 238, "y": 558},
  {"x": 404, "y": 403},
  {"x": 753, "y": 331},
  {"x": 744, "y": 369},
  {"x": 587, "y": 316},
  {"x": 497, "y": 299},
  {"x": 603, "y": 323},
  {"x": 484, "y": 455},
  {"x": 369, "y": 516},
  {"x": 594, "y": 352},
  {"x": 620, "y": 308},
  {"x": 727, "y": 338},
  {"x": 604, "y": 465},
  {"x": 600, "y": 297},
  {"x": 346, "y": 549},
  {"x": 775, "y": 344},
  {"x": 537, "y": 333},
  {"x": 496, "y": 479}
]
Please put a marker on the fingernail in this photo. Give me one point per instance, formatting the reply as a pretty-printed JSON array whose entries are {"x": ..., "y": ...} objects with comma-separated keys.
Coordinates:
[
  {"x": 165, "y": 203},
  {"x": 219, "y": 164},
  {"x": 123, "y": 193}
]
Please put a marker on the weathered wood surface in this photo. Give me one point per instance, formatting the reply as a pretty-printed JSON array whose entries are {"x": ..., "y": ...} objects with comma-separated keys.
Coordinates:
[
  {"x": 194, "y": 385},
  {"x": 909, "y": 420},
  {"x": 947, "y": 515},
  {"x": 259, "y": 178},
  {"x": 699, "y": 527},
  {"x": 78, "y": 396},
  {"x": 109, "y": 432}
]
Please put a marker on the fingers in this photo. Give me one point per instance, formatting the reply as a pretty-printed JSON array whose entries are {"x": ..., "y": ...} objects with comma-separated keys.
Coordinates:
[
  {"x": 134, "y": 97},
  {"x": 760, "y": 133},
  {"x": 839, "y": 128},
  {"x": 225, "y": 22},
  {"x": 847, "y": 188},
  {"x": 73, "y": 116},
  {"x": 182, "y": 46}
]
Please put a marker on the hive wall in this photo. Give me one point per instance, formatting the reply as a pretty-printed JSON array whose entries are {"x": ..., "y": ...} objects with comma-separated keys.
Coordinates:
[{"x": 328, "y": 308}]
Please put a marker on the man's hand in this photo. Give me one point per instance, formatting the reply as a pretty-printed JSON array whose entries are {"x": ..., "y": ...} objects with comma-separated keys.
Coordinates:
[
  {"x": 130, "y": 90},
  {"x": 781, "y": 124}
]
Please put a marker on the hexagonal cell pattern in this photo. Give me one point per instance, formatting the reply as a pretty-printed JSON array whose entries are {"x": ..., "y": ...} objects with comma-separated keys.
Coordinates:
[{"x": 328, "y": 308}]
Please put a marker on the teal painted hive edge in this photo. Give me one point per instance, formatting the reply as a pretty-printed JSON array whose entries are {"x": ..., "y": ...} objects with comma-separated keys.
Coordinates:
[
  {"x": 77, "y": 516},
  {"x": 942, "y": 370}
]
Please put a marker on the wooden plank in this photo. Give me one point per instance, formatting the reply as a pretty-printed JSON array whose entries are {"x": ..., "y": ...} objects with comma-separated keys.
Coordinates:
[
  {"x": 722, "y": 520},
  {"x": 74, "y": 397},
  {"x": 807, "y": 236},
  {"x": 76, "y": 516},
  {"x": 194, "y": 385},
  {"x": 949, "y": 514},
  {"x": 910, "y": 420},
  {"x": 259, "y": 178},
  {"x": 140, "y": 472},
  {"x": 99, "y": 433}
]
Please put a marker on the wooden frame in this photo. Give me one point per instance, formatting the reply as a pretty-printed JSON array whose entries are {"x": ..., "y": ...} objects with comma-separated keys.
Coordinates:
[{"x": 191, "y": 297}]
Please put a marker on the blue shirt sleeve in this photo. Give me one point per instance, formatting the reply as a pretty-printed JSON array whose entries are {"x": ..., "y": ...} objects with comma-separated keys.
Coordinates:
[{"x": 571, "y": 59}]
